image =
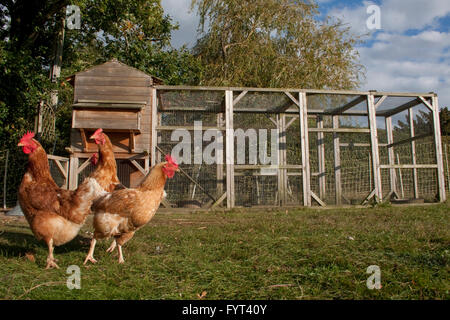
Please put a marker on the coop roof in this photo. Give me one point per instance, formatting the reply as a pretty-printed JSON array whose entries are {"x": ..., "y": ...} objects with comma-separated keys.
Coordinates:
[{"x": 114, "y": 69}]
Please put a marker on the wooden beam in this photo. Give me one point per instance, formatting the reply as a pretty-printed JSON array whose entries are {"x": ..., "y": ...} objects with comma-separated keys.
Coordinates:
[
  {"x": 304, "y": 140},
  {"x": 83, "y": 166},
  {"x": 374, "y": 146},
  {"x": 348, "y": 105},
  {"x": 73, "y": 173},
  {"x": 296, "y": 102},
  {"x": 154, "y": 117},
  {"x": 138, "y": 166},
  {"x": 239, "y": 97},
  {"x": 401, "y": 108},
  {"x": 438, "y": 145},
  {"x": 420, "y": 136},
  {"x": 131, "y": 141},
  {"x": 84, "y": 140},
  {"x": 188, "y": 128},
  {"x": 229, "y": 148},
  {"x": 306, "y": 91},
  {"x": 337, "y": 161},
  {"x": 426, "y": 103},
  {"x": 321, "y": 158},
  {"x": 391, "y": 155},
  {"x": 413, "y": 152},
  {"x": 342, "y": 130},
  {"x": 408, "y": 166}
]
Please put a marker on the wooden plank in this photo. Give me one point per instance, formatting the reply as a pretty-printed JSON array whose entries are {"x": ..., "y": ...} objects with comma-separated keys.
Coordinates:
[
  {"x": 418, "y": 137},
  {"x": 348, "y": 105},
  {"x": 73, "y": 173},
  {"x": 408, "y": 166},
  {"x": 401, "y": 108},
  {"x": 219, "y": 167},
  {"x": 306, "y": 91},
  {"x": 154, "y": 116},
  {"x": 426, "y": 103},
  {"x": 61, "y": 168},
  {"x": 343, "y": 130},
  {"x": 266, "y": 166},
  {"x": 391, "y": 155},
  {"x": 296, "y": 102},
  {"x": 229, "y": 148},
  {"x": 319, "y": 201},
  {"x": 374, "y": 147},
  {"x": 189, "y": 128},
  {"x": 304, "y": 141},
  {"x": 53, "y": 157},
  {"x": 117, "y": 155},
  {"x": 139, "y": 167},
  {"x": 83, "y": 166},
  {"x": 85, "y": 81},
  {"x": 239, "y": 97},
  {"x": 337, "y": 161},
  {"x": 413, "y": 153},
  {"x": 219, "y": 201},
  {"x": 114, "y": 97},
  {"x": 84, "y": 140},
  {"x": 115, "y": 90},
  {"x": 438, "y": 145},
  {"x": 321, "y": 158}
]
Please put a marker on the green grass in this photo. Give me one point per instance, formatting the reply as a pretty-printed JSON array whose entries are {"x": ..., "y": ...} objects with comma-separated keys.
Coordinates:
[{"x": 244, "y": 254}]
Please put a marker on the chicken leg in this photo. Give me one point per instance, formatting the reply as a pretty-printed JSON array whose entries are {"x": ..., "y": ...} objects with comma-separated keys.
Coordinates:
[
  {"x": 51, "y": 261},
  {"x": 90, "y": 255}
]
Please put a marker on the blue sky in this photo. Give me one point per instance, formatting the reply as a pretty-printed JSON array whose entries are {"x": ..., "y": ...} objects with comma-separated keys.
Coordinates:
[{"x": 410, "y": 52}]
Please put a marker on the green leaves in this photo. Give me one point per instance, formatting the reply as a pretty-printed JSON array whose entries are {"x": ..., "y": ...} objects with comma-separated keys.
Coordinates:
[{"x": 273, "y": 43}]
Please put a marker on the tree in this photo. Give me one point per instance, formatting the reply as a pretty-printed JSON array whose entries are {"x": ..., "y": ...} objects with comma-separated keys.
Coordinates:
[
  {"x": 136, "y": 32},
  {"x": 274, "y": 43}
]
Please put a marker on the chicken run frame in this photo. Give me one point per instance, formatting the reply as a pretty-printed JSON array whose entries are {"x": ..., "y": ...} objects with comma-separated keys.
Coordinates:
[{"x": 334, "y": 147}]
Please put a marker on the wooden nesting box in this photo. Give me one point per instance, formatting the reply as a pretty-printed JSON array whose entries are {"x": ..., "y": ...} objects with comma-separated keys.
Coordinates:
[{"x": 116, "y": 98}]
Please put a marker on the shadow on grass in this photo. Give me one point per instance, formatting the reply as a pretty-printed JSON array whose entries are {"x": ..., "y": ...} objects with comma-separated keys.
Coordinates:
[{"x": 20, "y": 243}]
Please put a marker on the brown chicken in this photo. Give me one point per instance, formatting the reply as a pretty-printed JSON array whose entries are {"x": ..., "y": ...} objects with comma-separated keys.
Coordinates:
[
  {"x": 56, "y": 215},
  {"x": 121, "y": 213}
]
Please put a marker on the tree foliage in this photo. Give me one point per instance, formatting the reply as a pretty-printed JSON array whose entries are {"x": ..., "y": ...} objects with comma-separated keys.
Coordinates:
[
  {"x": 274, "y": 43},
  {"x": 136, "y": 32}
]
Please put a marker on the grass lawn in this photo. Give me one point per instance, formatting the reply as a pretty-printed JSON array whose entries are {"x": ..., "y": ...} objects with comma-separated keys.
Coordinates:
[{"x": 245, "y": 254}]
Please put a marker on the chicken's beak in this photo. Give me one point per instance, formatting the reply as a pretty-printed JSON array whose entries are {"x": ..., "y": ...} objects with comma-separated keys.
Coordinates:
[
  {"x": 92, "y": 137},
  {"x": 20, "y": 144},
  {"x": 178, "y": 170}
]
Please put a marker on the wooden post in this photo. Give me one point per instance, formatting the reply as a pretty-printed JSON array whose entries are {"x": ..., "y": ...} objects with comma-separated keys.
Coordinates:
[
  {"x": 337, "y": 161},
  {"x": 229, "y": 147},
  {"x": 219, "y": 168},
  {"x": 282, "y": 172},
  {"x": 374, "y": 146},
  {"x": 321, "y": 158},
  {"x": 73, "y": 173},
  {"x": 304, "y": 138},
  {"x": 413, "y": 152},
  {"x": 391, "y": 155},
  {"x": 438, "y": 144},
  {"x": 446, "y": 162},
  {"x": 154, "y": 134},
  {"x": 400, "y": 177}
]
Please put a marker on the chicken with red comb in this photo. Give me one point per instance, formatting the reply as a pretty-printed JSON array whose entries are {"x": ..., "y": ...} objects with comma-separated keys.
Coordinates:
[
  {"x": 55, "y": 215},
  {"x": 121, "y": 213}
]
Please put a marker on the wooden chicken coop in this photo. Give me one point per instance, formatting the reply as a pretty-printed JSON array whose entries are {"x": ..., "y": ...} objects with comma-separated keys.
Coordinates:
[
  {"x": 333, "y": 147},
  {"x": 118, "y": 99}
]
